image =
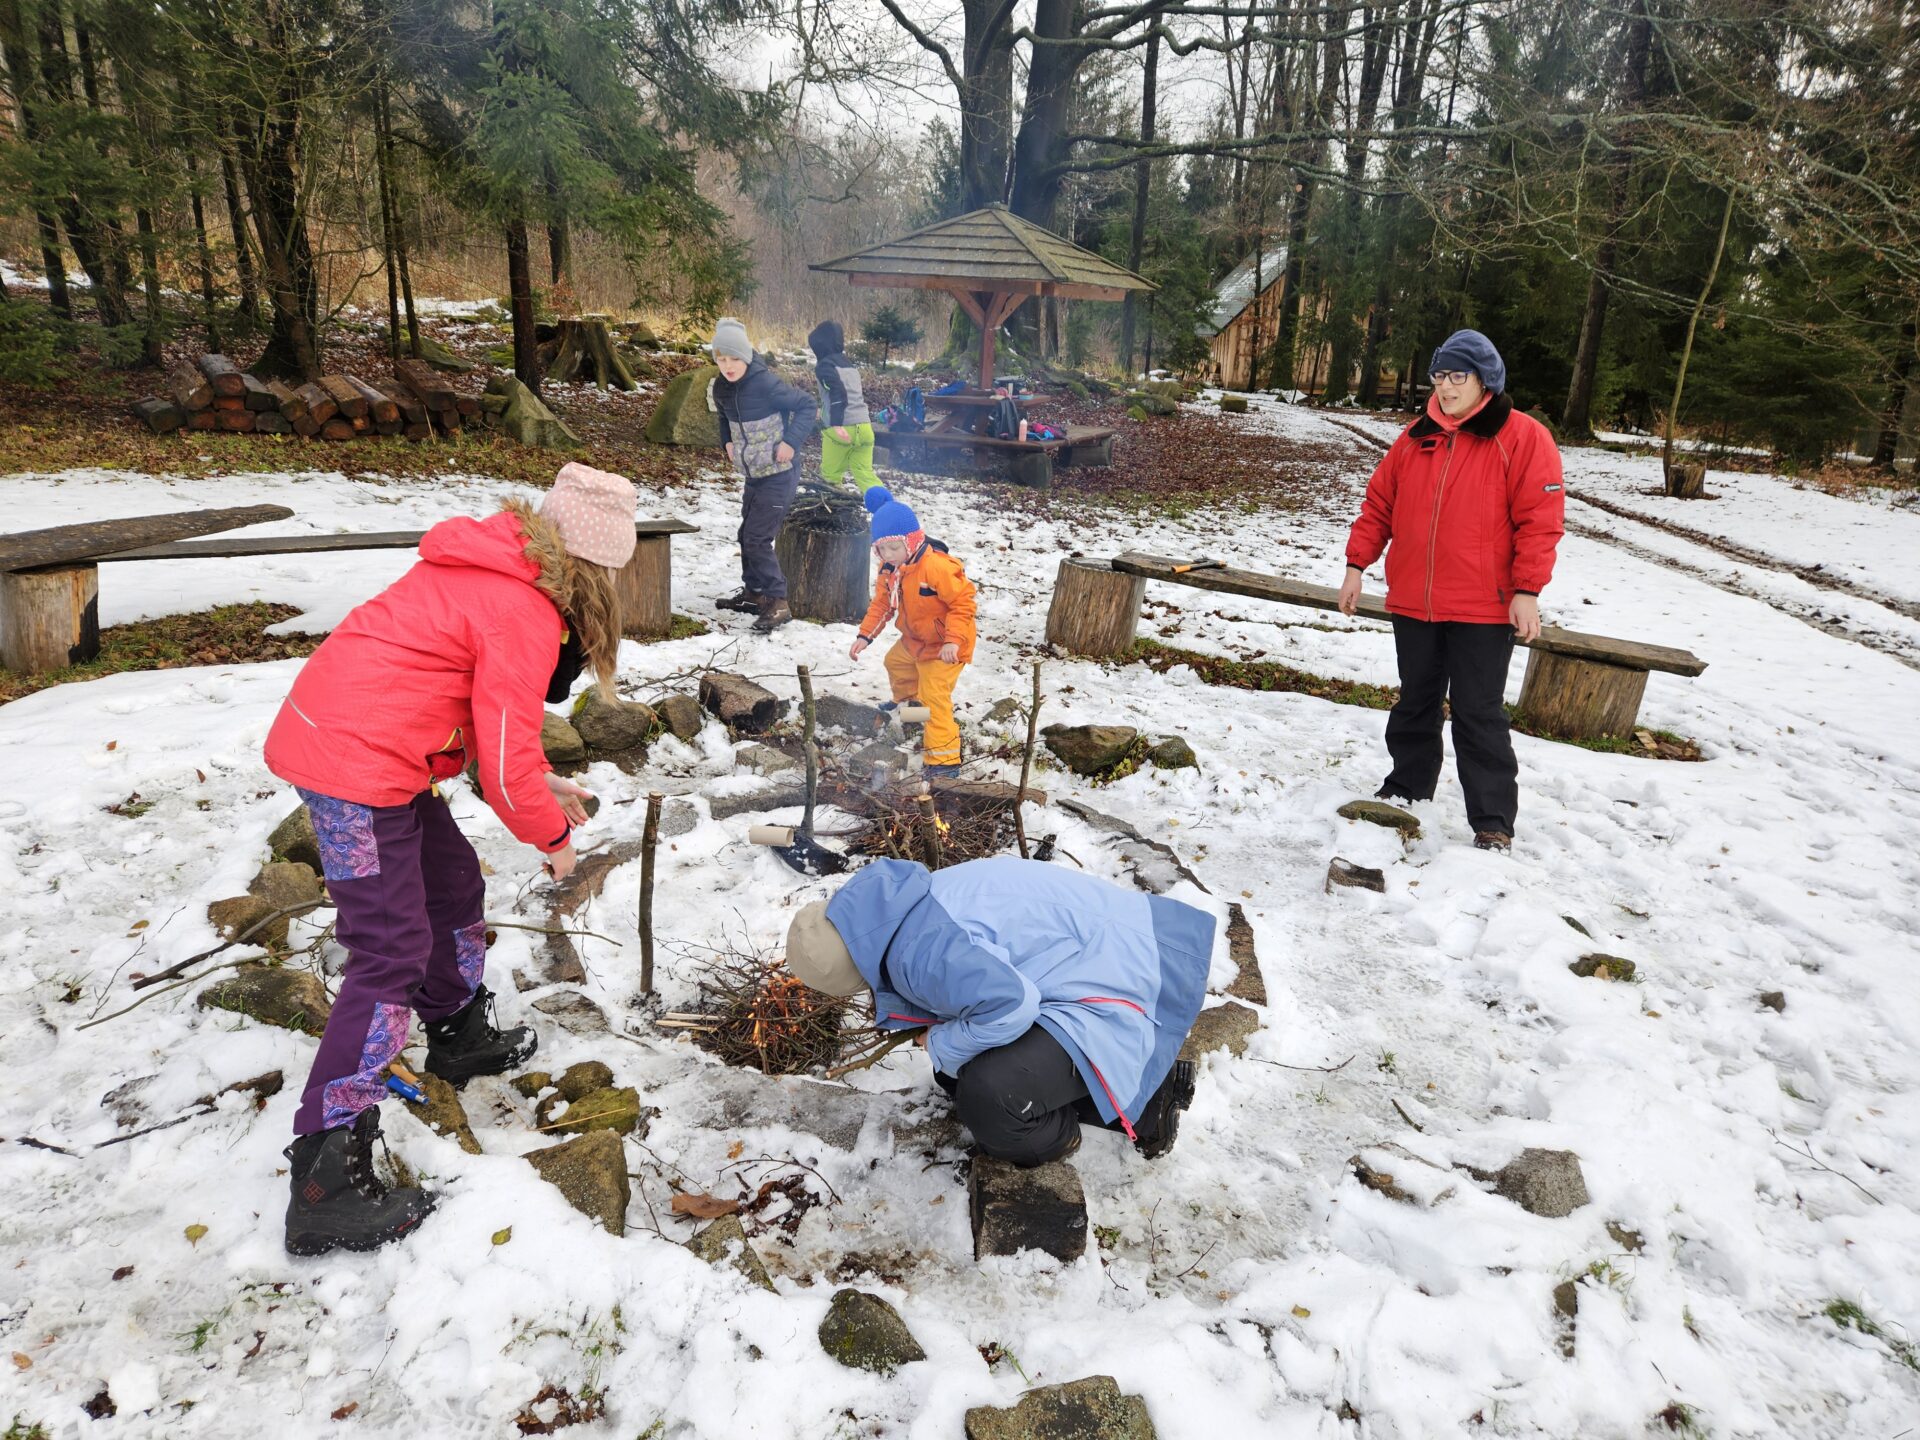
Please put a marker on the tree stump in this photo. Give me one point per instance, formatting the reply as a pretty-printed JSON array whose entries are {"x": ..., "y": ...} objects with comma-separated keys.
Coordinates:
[
  {"x": 1095, "y": 609},
  {"x": 49, "y": 619},
  {"x": 1686, "y": 480},
  {"x": 1580, "y": 699},
  {"x": 587, "y": 352},
  {"x": 1034, "y": 469},
  {"x": 645, "y": 587},
  {"x": 822, "y": 550}
]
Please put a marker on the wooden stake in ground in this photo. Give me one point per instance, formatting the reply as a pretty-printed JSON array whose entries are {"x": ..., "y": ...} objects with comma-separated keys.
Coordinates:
[
  {"x": 1026, "y": 763},
  {"x": 930, "y": 830},
  {"x": 813, "y": 750},
  {"x": 649, "y": 840}
]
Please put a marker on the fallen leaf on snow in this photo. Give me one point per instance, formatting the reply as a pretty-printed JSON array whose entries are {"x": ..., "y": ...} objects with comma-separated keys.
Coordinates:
[
  {"x": 704, "y": 1207},
  {"x": 195, "y": 1233}
]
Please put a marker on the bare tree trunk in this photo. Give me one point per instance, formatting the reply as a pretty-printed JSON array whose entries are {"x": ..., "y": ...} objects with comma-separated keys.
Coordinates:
[
  {"x": 1416, "y": 48},
  {"x": 391, "y": 263},
  {"x": 207, "y": 292},
  {"x": 1142, "y": 187},
  {"x": 1376, "y": 51},
  {"x": 1693, "y": 323},
  {"x": 526, "y": 360},
  {"x": 242, "y": 250},
  {"x": 20, "y": 69},
  {"x": 1893, "y": 415}
]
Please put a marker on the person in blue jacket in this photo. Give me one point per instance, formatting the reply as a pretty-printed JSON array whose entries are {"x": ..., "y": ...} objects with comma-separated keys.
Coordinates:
[
  {"x": 763, "y": 423},
  {"x": 1049, "y": 999}
]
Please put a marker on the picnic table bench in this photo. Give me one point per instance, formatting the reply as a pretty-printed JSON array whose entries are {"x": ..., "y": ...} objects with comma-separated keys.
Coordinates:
[
  {"x": 1577, "y": 685},
  {"x": 1028, "y": 462},
  {"x": 50, "y": 583}
]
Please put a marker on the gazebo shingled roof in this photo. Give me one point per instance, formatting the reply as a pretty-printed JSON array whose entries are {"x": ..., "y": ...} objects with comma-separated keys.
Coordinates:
[{"x": 990, "y": 260}]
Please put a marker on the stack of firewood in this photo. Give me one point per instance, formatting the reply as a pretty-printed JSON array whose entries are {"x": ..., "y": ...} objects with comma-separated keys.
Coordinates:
[{"x": 215, "y": 394}]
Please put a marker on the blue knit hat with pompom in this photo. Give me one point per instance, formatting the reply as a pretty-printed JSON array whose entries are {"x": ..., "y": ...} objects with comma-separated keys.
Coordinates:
[{"x": 890, "y": 517}]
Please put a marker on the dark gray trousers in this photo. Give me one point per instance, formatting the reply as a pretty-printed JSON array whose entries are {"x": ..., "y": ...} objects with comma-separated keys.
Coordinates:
[
  {"x": 1023, "y": 1101},
  {"x": 1465, "y": 666},
  {"x": 763, "y": 510}
]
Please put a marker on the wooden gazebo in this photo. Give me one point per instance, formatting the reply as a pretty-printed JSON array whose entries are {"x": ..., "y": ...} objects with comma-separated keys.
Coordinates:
[{"x": 990, "y": 261}]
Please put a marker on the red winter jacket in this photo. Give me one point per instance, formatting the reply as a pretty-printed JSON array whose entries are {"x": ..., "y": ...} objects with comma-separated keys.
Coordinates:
[
  {"x": 450, "y": 662},
  {"x": 1474, "y": 516}
]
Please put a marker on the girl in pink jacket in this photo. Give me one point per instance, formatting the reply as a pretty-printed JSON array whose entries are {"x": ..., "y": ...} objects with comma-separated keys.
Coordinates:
[{"x": 452, "y": 663}]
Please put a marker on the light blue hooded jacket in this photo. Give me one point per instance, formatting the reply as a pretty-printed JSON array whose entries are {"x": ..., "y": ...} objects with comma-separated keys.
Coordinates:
[{"x": 982, "y": 951}]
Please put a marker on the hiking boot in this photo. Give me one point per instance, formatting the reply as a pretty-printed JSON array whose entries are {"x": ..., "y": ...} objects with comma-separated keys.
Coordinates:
[
  {"x": 1492, "y": 840},
  {"x": 1159, "y": 1123},
  {"x": 746, "y": 601},
  {"x": 773, "y": 614},
  {"x": 337, "y": 1199},
  {"x": 466, "y": 1044}
]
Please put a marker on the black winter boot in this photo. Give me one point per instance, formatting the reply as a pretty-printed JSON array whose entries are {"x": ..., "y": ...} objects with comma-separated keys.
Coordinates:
[
  {"x": 1160, "y": 1121},
  {"x": 337, "y": 1199},
  {"x": 746, "y": 601},
  {"x": 465, "y": 1044}
]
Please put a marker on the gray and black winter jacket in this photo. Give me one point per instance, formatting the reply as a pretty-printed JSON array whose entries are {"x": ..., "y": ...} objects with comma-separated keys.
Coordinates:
[
  {"x": 842, "y": 401},
  {"x": 759, "y": 412}
]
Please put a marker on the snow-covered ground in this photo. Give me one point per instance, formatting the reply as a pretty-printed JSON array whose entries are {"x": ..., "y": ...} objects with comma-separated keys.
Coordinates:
[{"x": 1246, "y": 1285}]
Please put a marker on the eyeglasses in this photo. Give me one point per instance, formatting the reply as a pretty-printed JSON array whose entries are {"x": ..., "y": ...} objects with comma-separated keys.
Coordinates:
[{"x": 1450, "y": 377}]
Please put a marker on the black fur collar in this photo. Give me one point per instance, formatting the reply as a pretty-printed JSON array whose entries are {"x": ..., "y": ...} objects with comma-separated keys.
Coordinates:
[{"x": 1487, "y": 424}]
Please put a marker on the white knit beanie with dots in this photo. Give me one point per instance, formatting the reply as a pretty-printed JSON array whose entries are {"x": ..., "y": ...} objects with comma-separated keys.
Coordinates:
[{"x": 594, "y": 512}]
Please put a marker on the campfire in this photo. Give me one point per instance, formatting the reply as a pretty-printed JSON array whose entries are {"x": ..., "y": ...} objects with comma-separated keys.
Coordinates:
[{"x": 754, "y": 1013}]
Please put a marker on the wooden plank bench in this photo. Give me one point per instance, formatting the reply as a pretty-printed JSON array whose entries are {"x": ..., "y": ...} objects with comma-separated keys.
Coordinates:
[
  {"x": 1577, "y": 685},
  {"x": 645, "y": 585}
]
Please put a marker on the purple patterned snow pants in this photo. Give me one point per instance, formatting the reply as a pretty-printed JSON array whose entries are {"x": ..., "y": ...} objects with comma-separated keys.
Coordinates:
[{"x": 409, "y": 905}]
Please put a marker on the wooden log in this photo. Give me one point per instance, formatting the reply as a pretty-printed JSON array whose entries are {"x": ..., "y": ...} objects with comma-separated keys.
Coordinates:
[
  {"x": 740, "y": 704},
  {"x": 208, "y": 419},
  {"x": 434, "y": 392},
  {"x": 350, "y": 401},
  {"x": 1034, "y": 471},
  {"x": 159, "y": 416},
  {"x": 823, "y": 550},
  {"x": 1580, "y": 699},
  {"x": 1095, "y": 608},
  {"x": 229, "y": 402},
  {"x": 413, "y": 409},
  {"x": 291, "y": 403},
  {"x": 92, "y": 539},
  {"x": 271, "y": 422},
  {"x": 645, "y": 587},
  {"x": 467, "y": 406},
  {"x": 258, "y": 396},
  {"x": 49, "y": 619},
  {"x": 320, "y": 405},
  {"x": 389, "y": 427},
  {"x": 418, "y": 430},
  {"x": 380, "y": 406},
  {"x": 223, "y": 375},
  {"x": 337, "y": 429},
  {"x": 188, "y": 387},
  {"x": 360, "y": 425},
  {"x": 305, "y": 425},
  {"x": 1687, "y": 479},
  {"x": 236, "y": 422}
]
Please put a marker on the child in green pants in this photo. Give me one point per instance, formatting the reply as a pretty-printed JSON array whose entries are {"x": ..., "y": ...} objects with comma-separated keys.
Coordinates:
[{"x": 846, "y": 425}]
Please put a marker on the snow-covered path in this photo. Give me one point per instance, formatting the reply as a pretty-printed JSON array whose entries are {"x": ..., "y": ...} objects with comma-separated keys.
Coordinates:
[{"x": 1245, "y": 1286}]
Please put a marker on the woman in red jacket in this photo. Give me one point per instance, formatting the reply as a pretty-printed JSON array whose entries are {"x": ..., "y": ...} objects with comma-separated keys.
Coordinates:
[
  {"x": 450, "y": 664},
  {"x": 1470, "y": 497}
]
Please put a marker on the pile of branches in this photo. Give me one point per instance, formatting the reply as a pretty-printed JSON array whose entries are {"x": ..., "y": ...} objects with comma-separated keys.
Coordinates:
[
  {"x": 955, "y": 829},
  {"x": 753, "y": 1012}
]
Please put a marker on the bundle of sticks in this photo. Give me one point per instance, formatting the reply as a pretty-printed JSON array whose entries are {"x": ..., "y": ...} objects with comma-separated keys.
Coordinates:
[{"x": 214, "y": 394}]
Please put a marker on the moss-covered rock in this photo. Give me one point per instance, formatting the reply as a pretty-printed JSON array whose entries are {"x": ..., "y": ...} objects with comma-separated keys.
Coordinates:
[
  {"x": 682, "y": 416},
  {"x": 1090, "y": 749},
  {"x": 293, "y": 840},
  {"x": 592, "y": 1173},
  {"x": 1378, "y": 812},
  {"x": 615, "y": 1108},
  {"x": 532, "y": 1083},
  {"x": 579, "y": 1080},
  {"x": 560, "y": 741},
  {"x": 864, "y": 1332},
  {"x": 1173, "y": 753},
  {"x": 1603, "y": 967},
  {"x": 1089, "y": 1409},
  {"x": 443, "y": 1113},
  {"x": 683, "y": 716},
  {"x": 273, "y": 995},
  {"x": 612, "y": 727},
  {"x": 725, "y": 1242}
]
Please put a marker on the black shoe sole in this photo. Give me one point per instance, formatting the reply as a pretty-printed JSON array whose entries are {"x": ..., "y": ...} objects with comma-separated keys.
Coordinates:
[
  {"x": 308, "y": 1246},
  {"x": 1179, "y": 1097},
  {"x": 739, "y": 607}
]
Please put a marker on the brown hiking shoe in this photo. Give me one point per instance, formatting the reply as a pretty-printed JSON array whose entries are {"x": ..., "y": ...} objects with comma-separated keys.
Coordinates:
[
  {"x": 1492, "y": 840},
  {"x": 773, "y": 614}
]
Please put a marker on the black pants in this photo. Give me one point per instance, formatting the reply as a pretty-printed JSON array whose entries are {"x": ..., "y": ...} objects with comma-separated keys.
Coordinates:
[
  {"x": 763, "y": 510},
  {"x": 1466, "y": 666},
  {"x": 1023, "y": 1101}
]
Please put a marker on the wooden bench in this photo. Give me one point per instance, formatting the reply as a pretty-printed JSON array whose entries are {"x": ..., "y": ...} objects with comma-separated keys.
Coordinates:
[
  {"x": 1578, "y": 686},
  {"x": 1028, "y": 462},
  {"x": 49, "y": 579}
]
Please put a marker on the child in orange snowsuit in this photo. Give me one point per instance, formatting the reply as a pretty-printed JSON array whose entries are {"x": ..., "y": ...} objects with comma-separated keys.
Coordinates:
[{"x": 927, "y": 591}]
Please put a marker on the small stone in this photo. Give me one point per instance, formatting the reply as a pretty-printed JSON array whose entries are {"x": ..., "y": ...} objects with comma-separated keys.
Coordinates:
[
  {"x": 683, "y": 716},
  {"x": 288, "y": 885},
  {"x": 1002, "y": 711},
  {"x": 1602, "y": 967},
  {"x": 678, "y": 817},
  {"x": 864, "y": 1332},
  {"x": 1344, "y": 873},
  {"x": 592, "y": 1173},
  {"x": 1543, "y": 1182},
  {"x": 561, "y": 742},
  {"x": 238, "y": 916},
  {"x": 532, "y": 1083},
  {"x": 716, "y": 1245},
  {"x": 1233, "y": 404},
  {"x": 616, "y": 1108},
  {"x": 612, "y": 727},
  {"x": 1577, "y": 926},
  {"x": 443, "y": 1113},
  {"x": 273, "y": 995},
  {"x": 1774, "y": 1000},
  {"x": 1173, "y": 753},
  {"x": 293, "y": 839},
  {"x": 1566, "y": 1306},
  {"x": 1013, "y": 1209},
  {"x": 1378, "y": 812},
  {"x": 573, "y": 1012},
  {"x": 764, "y": 760},
  {"x": 1630, "y": 1241},
  {"x": 1089, "y": 1409},
  {"x": 832, "y": 712},
  {"x": 1090, "y": 749},
  {"x": 1224, "y": 1027},
  {"x": 583, "y": 1079}
]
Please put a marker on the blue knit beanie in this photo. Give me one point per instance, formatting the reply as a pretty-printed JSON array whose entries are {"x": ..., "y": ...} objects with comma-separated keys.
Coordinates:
[
  {"x": 890, "y": 517},
  {"x": 1470, "y": 350}
]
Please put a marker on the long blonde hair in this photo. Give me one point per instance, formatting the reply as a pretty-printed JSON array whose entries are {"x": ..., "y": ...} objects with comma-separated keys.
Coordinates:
[{"x": 581, "y": 591}]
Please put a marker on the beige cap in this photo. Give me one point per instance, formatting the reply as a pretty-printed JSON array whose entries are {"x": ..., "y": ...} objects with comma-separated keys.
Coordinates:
[{"x": 818, "y": 957}]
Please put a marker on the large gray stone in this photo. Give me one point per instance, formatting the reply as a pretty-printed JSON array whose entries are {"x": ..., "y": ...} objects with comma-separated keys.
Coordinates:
[
  {"x": 755, "y": 801},
  {"x": 526, "y": 418},
  {"x": 273, "y": 995},
  {"x": 443, "y": 1113},
  {"x": 1039, "y": 1208},
  {"x": 288, "y": 885},
  {"x": 293, "y": 839},
  {"x": 1090, "y": 749},
  {"x": 1378, "y": 812},
  {"x": 854, "y": 716},
  {"x": 1225, "y": 1027},
  {"x": 612, "y": 727},
  {"x": 764, "y": 760},
  {"x": 682, "y": 715},
  {"x": 725, "y": 1242},
  {"x": 1089, "y": 1409},
  {"x": 864, "y": 1332},
  {"x": 573, "y": 1012},
  {"x": 1545, "y": 1182},
  {"x": 561, "y": 742},
  {"x": 682, "y": 416},
  {"x": 592, "y": 1173}
]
